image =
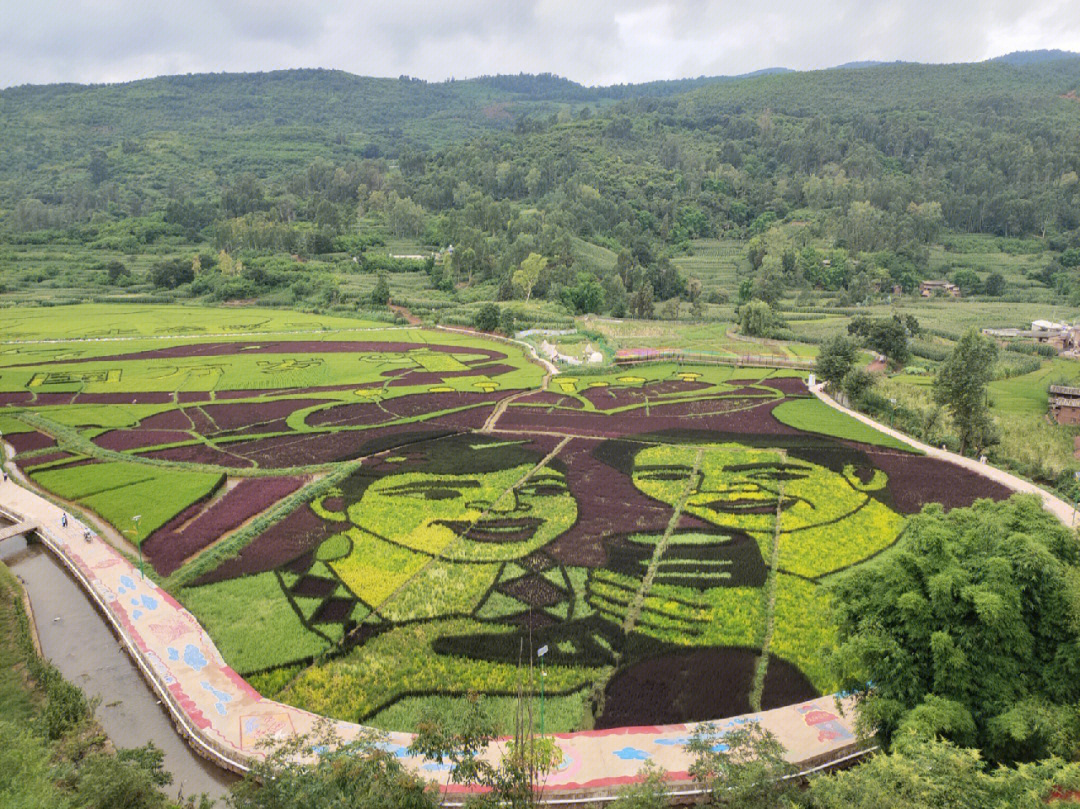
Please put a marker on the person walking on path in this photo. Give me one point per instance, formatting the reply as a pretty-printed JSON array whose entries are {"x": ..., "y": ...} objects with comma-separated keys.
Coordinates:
[{"x": 63, "y": 519}]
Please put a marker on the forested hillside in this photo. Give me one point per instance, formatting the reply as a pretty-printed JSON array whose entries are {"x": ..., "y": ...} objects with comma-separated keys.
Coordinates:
[{"x": 840, "y": 180}]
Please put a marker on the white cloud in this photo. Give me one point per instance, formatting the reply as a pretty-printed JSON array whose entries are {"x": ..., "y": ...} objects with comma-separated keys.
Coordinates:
[{"x": 599, "y": 42}]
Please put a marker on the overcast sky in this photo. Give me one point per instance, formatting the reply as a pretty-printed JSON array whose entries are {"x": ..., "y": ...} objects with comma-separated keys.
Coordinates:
[{"x": 590, "y": 41}]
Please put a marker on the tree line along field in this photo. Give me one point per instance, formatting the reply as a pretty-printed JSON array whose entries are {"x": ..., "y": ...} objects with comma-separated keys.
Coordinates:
[{"x": 371, "y": 521}]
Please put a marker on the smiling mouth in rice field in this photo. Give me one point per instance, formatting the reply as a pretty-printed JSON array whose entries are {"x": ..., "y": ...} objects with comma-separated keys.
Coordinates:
[{"x": 503, "y": 529}]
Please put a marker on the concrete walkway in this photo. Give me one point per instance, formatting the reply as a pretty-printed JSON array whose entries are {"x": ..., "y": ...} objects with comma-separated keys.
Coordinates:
[
  {"x": 1055, "y": 505},
  {"x": 225, "y": 719}
]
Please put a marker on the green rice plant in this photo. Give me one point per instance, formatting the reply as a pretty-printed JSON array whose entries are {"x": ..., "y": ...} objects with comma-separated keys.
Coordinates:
[
  {"x": 9, "y": 425},
  {"x": 269, "y": 683},
  {"x": 402, "y": 661},
  {"x": 373, "y": 568},
  {"x": 236, "y": 611},
  {"x": 814, "y": 416},
  {"x": 817, "y": 550},
  {"x": 803, "y": 633},
  {"x": 102, "y": 320},
  {"x": 562, "y": 714},
  {"x": 719, "y": 616},
  {"x": 109, "y": 416},
  {"x": 441, "y": 588},
  {"x": 497, "y": 605},
  {"x": 119, "y": 492}
]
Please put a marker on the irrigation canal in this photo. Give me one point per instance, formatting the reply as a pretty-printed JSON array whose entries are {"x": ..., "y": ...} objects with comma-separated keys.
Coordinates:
[{"x": 78, "y": 642}]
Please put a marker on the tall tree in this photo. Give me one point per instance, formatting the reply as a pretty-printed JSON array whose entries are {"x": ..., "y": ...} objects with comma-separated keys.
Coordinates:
[
  {"x": 380, "y": 295},
  {"x": 836, "y": 358},
  {"x": 961, "y": 384},
  {"x": 528, "y": 273},
  {"x": 886, "y": 335},
  {"x": 757, "y": 319}
]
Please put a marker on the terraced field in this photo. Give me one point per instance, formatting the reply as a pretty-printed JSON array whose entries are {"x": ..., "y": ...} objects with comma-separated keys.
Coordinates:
[{"x": 371, "y": 521}]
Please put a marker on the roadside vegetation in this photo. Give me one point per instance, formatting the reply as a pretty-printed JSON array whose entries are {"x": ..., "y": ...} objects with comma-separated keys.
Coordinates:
[{"x": 53, "y": 755}]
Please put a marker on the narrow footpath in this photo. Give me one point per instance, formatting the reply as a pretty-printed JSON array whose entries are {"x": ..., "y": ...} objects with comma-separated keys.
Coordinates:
[{"x": 1055, "y": 505}]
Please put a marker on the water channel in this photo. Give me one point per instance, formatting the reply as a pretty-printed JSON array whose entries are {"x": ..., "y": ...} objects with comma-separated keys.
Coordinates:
[{"x": 80, "y": 644}]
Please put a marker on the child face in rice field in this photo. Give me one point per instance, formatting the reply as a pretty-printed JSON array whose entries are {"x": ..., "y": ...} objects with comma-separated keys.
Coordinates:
[
  {"x": 485, "y": 516},
  {"x": 828, "y": 520}
]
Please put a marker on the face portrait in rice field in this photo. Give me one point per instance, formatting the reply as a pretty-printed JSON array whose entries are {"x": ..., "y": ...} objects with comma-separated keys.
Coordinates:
[{"x": 401, "y": 517}]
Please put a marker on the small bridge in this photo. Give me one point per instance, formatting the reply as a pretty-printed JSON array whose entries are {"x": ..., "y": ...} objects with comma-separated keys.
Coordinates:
[{"x": 24, "y": 527}]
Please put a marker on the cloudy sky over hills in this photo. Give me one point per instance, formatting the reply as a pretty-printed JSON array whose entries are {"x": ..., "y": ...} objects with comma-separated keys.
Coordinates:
[{"x": 593, "y": 42}]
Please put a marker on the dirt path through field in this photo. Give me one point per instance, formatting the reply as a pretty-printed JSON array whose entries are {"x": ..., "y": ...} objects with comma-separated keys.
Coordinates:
[
  {"x": 1055, "y": 505},
  {"x": 758, "y": 685},
  {"x": 410, "y": 318}
]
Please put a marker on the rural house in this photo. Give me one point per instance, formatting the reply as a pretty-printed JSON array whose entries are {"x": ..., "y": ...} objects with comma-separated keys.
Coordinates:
[
  {"x": 1065, "y": 404},
  {"x": 930, "y": 288}
]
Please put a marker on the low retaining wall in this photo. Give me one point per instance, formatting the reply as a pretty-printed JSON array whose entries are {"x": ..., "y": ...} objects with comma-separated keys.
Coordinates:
[{"x": 204, "y": 747}]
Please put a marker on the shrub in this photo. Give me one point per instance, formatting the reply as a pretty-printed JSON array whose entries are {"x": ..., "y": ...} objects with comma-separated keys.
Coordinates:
[
  {"x": 857, "y": 383},
  {"x": 380, "y": 295},
  {"x": 65, "y": 705},
  {"x": 487, "y": 318}
]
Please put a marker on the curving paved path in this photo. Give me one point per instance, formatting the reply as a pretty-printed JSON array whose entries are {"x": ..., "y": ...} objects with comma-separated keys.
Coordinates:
[
  {"x": 1055, "y": 505},
  {"x": 225, "y": 719}
]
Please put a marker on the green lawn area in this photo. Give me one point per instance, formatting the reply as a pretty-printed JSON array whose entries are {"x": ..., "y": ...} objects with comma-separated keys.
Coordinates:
[
  {"x": 815, "y": 416},
  {"x": 1028, "y": 393},
  {"x": 118, "y": 491}
]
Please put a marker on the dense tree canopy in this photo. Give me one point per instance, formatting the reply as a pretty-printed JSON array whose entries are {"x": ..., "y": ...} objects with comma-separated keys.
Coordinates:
[
  {"x": 836, "y": 359},
  {"x": 876, "y": 163},
  {"x": 886, "y": 335},
  {"x": 969, "y": 629}
]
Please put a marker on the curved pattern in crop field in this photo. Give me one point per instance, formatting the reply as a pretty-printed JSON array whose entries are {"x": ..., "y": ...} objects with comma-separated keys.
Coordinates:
[{"x": 361, "y": 540}]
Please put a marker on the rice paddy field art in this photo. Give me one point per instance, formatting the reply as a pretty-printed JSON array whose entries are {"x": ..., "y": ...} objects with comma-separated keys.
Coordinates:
[{"x": 372, "y": 521}]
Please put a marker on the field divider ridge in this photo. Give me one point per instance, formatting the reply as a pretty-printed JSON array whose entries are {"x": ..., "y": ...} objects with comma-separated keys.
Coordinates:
[{"x": 762, "y": 668}]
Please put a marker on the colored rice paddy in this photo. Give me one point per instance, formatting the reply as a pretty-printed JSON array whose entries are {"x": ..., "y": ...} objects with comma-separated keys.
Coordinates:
[{"x": 370, "y": 521}]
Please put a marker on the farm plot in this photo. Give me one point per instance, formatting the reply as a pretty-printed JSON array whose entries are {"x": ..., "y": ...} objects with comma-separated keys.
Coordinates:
[
  {"x": 418, "y": 503},
  {"x": 638, "y": 552}
]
